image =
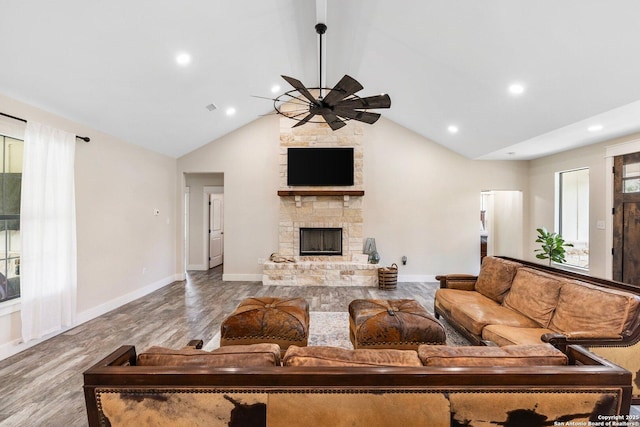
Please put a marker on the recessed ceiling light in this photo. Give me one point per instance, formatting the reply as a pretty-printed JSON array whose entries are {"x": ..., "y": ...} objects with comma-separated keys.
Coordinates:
[
  {"x": 275, "y": 88},
  {"x": 595, "y": 128},
  {"x": 453, "y": 129},
  {"x": 230, "y": 111},
  {"x": 183, "y": 59},
  {"x": 516, "y": 89}
]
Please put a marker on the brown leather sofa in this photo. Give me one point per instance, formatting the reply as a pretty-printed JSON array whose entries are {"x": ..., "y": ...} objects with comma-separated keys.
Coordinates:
[
  {"x": 326, "y": 386},
  {"x": 517, "y": 302}
]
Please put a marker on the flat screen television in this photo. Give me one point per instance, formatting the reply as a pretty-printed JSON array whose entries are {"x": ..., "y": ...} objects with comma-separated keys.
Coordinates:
[{"x": 320, "y": 166}]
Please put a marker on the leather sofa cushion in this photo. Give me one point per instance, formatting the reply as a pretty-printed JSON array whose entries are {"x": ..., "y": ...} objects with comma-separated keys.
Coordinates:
[
  {"x": 586, "y": 308},
  {"x": 232, "y": 356},
  {"x": 335, "y": 356},
  {"x": 510, "y": 335},
  {"x": 449, "y": 298},
  {"x": 496, "y": 275},
  {"x": 474, "y": 317},
  {"x": 511, "y": 355},
  {"x": 534, "y": 294}
]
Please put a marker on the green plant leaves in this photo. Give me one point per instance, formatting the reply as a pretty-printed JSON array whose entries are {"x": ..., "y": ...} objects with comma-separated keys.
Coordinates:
[{"x": 552, "y": 246}]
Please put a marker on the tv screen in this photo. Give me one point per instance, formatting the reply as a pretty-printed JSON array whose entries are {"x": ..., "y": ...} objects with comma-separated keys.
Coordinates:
[{"x": 320, "y": 166}]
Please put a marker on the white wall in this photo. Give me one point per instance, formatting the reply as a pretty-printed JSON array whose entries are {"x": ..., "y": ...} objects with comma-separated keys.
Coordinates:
[
  {"x": 421, "y": 199},
  {"x": 249, "y": 159},
  {"x": 541, "y": 197},
  {"x": 118, "y": 185}
]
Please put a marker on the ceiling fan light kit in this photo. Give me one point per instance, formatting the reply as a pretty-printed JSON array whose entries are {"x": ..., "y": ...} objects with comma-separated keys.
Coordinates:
[{"x": 340, "y": 105}]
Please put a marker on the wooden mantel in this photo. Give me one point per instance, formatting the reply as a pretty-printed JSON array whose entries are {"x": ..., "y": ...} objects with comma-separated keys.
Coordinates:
[
  {"x": 320, "y": 193},
  {"x": 345, "y": 194}
]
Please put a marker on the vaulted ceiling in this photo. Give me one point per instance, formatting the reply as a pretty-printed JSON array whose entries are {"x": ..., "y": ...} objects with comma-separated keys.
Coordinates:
[{"x": 111, "y": 65}]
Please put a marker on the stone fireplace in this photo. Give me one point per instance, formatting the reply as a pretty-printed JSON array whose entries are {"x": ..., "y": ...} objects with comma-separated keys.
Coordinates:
[{"x": 324, "y": 208}]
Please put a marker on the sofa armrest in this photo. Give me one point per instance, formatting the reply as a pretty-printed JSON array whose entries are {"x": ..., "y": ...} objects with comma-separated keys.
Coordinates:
[
  {"x": 562, "y": 340},
  {"x": 465, "y": 282}
]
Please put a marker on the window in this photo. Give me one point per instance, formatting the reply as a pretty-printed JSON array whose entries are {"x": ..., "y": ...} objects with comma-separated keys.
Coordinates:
[
  {"x": 631, "y": 178},
  {"x": 573, "y": 215},
  {"x": 10, "y": 187}
]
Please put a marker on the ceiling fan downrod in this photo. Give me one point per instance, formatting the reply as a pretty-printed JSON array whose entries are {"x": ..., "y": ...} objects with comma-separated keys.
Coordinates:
[{"x": 320, "y": 29}]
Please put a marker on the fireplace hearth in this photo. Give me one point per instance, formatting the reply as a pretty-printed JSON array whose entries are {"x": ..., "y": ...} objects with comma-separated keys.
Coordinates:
[{"x": 320, "y": 241}]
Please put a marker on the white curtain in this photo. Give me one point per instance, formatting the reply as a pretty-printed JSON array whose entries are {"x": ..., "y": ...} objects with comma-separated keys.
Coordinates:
[{"x": 48, "y": 270}]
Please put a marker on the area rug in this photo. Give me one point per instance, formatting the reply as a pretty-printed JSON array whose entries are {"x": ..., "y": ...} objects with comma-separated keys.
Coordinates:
[{"x": 331, "y": 328}]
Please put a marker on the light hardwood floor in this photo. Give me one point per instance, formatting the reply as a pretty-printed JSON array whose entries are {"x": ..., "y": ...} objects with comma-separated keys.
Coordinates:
[{"x": 42, "y": 386}]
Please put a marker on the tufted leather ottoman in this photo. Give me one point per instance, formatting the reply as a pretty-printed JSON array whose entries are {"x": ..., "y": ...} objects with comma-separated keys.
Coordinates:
[
  {"x": 283, "y": 321},
  {"x": 400, "y": 324}
]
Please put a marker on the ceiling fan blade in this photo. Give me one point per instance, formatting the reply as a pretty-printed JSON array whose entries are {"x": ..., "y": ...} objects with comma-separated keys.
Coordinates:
[
  {"x": 297, "y": 84},
  {"x": 361, "y": 116},
  {"x": 333, "y": 121},
  {"x": 376, "y": 101},
  {"x": 305, "y": 120},
  {"x": 346, "y": 86}
]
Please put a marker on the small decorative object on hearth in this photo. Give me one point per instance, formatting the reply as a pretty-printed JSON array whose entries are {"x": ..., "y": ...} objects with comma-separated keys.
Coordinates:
[
  {"x": 388, "y": 277},
  {"x": 275, "y": 257},
  {"x": 370, "y": 249},
  {"x": 369, "y": 245},
  {"x": 552, "y": 246}
]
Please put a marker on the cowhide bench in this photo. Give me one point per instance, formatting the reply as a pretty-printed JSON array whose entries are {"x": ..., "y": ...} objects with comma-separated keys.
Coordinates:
[
  {"x": 397, "y": 324},
  {"x": 282, "y": 321}
]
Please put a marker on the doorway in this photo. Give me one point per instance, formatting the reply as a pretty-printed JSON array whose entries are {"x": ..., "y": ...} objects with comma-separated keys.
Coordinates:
[
  {"x": 204, "y": 250},
  {"x": 501, "y": 222}
]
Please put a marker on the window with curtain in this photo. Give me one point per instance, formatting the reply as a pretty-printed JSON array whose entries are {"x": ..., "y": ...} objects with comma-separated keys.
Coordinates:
[
  {"x": 573, "y": 215},
  {"x": 11, "y": 151}
]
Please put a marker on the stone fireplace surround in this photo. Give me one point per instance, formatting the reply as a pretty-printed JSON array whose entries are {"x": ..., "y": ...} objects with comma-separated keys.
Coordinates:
[{"x": 321, "y": 207}]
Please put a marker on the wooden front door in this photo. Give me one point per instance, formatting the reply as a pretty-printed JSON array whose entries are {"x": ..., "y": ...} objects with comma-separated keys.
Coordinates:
[{"x": 626, "y": 218}]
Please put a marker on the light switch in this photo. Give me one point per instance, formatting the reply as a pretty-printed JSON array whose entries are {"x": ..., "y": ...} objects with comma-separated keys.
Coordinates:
[{"x": 600, "y": 225}]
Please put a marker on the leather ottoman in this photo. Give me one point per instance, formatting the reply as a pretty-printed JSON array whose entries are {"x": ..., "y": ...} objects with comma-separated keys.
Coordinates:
[
  {"x": 283, "y": 321},
  {"x": 398, "y": 324}
]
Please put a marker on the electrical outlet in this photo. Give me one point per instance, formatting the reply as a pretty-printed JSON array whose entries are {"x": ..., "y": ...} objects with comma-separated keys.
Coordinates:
[
  {"x": 260, "y": 261},
  {"x": 144, "y": 270}
]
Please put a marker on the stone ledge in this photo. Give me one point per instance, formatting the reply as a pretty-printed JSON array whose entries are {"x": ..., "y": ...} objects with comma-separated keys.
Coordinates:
[
  {"x": 319, "y": 265},
  {"x": 320, "y": 273}
]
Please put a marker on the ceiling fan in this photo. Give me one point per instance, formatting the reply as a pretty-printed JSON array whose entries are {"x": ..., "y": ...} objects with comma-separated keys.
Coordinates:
[{"x": 341, "y": 103}]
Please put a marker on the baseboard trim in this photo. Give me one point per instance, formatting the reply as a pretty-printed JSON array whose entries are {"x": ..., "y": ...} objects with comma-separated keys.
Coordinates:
[
  {"x": 242, "y": 277},
  {"x": 16, "y": 346},
  {"x": 106, "y": 307},
  {"x": 416, "y": 278}
]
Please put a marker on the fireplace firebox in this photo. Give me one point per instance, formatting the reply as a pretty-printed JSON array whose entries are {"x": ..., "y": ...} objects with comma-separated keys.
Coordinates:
[{"x": 320, "y": 241}]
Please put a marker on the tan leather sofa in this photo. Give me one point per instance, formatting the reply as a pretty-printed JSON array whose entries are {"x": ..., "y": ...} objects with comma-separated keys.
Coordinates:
[
  {"x": 435, "y": 386},
  {"x": 516, "y": 302}
]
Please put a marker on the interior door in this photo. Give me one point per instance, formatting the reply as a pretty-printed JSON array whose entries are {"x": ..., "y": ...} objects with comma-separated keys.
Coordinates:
[
  {"x": 626, "y": 218},
  {"x": 216, "y": 230}
]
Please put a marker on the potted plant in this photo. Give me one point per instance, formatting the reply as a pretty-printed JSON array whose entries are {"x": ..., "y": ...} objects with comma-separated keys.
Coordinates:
[{"x": 552, "y": 246}]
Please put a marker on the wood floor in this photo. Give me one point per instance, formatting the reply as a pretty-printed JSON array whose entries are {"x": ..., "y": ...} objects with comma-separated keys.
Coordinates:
[{"x": 42, "y": 386}]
